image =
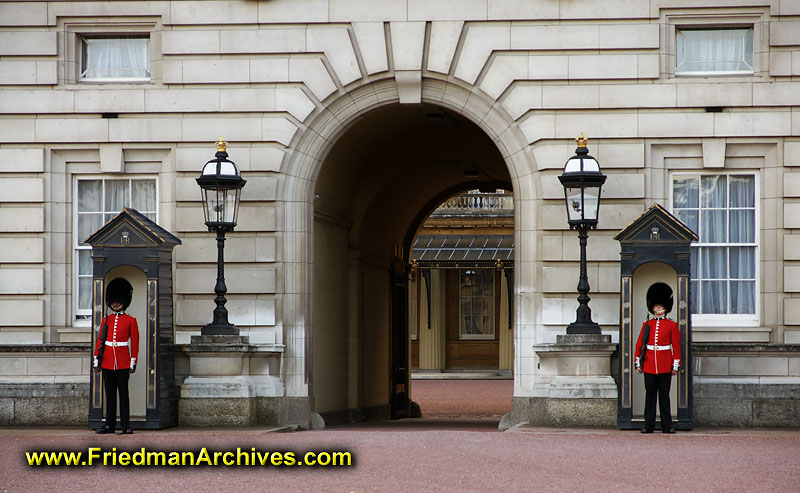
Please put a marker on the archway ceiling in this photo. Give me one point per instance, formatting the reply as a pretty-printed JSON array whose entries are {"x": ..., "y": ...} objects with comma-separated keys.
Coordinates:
[{"x": 395, "y": 164}]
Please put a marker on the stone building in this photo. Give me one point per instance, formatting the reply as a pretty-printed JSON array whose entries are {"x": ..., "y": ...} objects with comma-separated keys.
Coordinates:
[
  {"x": 462, "y": 277},
  {"x": 351, "y": 121}
]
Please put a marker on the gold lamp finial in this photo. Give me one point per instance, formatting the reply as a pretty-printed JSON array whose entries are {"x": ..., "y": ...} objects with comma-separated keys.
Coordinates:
[
  {"x": 222, "y": 146},
  {"x": 581, "y": 140}
]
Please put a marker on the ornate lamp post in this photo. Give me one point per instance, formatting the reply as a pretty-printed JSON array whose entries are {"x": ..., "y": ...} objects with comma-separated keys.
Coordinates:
[
  {"x": 582, "y": 181},
  {"x": 221, "y": 185}
]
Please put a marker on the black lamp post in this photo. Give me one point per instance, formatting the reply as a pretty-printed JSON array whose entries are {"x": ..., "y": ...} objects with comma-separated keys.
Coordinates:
[
  {"x": 582, "y": 181},
  {"x": 221, "y": 184}
]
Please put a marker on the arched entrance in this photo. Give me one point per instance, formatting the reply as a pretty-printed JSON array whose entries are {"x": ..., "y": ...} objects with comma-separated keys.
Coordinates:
[{"x": 359, "y": 183}]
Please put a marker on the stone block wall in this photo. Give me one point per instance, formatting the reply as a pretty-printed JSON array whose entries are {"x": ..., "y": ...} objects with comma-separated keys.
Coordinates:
[
  {"x": 44, "y": 385},
  {"x": 747, "y": 385}
]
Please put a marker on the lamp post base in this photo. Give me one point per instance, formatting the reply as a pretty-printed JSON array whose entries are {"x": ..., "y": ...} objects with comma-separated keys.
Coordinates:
[
  {"x": 583, "y": 328},
  {"x": 213, "y": 329}
]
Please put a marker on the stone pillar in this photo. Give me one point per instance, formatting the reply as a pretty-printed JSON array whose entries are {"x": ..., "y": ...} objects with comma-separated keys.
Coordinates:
[
  {"x": 231, "y": 383},
  {"x": 574, "y": 386},
  {"x": 432, "y": 338},
  {"x": 506, "y": 333}
]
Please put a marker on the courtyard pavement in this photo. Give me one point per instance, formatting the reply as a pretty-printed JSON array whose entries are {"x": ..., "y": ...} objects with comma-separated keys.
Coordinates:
[{"x": 455, "y": 447}]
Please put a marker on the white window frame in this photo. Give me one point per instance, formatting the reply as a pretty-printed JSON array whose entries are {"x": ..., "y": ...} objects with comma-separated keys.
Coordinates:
[
  {"x": 750, "y": 31},
  {"x": 674, "y": 19},
  {"x": 85, "y": 45},
  {"x": 73, "y": 28},
  {"x": 727, "y": 320},
  {"x": 462, "y": 335},
  {"x": 77, "y": 245}
]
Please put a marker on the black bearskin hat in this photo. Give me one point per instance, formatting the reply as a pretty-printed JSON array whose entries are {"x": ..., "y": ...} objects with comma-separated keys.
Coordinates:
[
  {"x": 119, "y": 290},
  {"x": 659, "y": 294}
]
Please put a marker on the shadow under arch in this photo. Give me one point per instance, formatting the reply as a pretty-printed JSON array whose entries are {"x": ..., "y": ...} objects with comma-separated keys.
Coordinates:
[{"x": 310, "y": 150}]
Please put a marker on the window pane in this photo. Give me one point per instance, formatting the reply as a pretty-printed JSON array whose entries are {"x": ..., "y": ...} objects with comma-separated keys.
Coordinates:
[
  {"x": 748, "y": 49},
  {"x": 87, "y": 225},
  {"x": 84, "y": 262},
  {"x": 488, "y": 325},
  {"x": 695, "y": 296},
  {"x": 715, "y": 297},
  {"x": 85, "y": 293},
  {"x": 710, "y": 50},
  {"x": 686, "y": 192},
  {"x": 714, "y": 226},
  {"x": 466, "y": 307},
  {"x": 693, "y": 254},
  {"x": 115, "y": 57},
  {"x": 477, "y": 302},
  {"x": 712, "y": 191},
  {"x": 444, "y": 254},
  {"x": 743, "y": 296},
  {"x": 143, "y": 195},
  {"x": 742, "y": 226},
  {"x": 743, "y": 191},
  {"x": 689, "y": 218},
  {"x": 117, "y": 195},
  {"x": 743, "y": 262},
  {"x": 469, "y": 254},
  {"x": 478, "y": 307},
  {"x": 90, "y": 197},
  {"x": 714, "y": 263}
]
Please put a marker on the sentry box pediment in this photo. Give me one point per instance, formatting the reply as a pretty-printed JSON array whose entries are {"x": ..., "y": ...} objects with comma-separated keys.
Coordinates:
[
  {"x": 656, "y": 226},
  {"x": 136, "y": 248},
  {"x": 130, "y": 228}
]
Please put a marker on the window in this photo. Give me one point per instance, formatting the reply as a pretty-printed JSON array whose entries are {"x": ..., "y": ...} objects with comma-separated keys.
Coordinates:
[
  {"x": 115, "y": 58},
  {"x": 97, "y": 201},
  {"x": 476, "y": 304},
  {"x": 714, "y": 51},
  {"x": 721, "y": 209}
]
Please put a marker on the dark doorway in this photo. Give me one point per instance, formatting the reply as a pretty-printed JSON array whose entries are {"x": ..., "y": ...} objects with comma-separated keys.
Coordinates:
[{"x": 380, "y": 181}]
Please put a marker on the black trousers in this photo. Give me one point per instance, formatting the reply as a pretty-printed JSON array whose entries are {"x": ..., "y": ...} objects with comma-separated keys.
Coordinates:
[
  {"x": 657, "y": 386},
  {"x": 117, "y": 381}
]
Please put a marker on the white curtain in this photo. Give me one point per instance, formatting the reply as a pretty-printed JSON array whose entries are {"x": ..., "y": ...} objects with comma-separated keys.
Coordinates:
[
  {"x": 116, "y": 58},
  {"x": 727, "y": 50},
  {"x": 99, "y": 201},
  {"x": 723, "y": 276}
]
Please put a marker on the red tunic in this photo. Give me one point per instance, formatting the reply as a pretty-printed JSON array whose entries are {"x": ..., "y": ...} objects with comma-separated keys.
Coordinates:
[
  {"x": 663, "y": 332},
  {"x": 121, "y": 328}
]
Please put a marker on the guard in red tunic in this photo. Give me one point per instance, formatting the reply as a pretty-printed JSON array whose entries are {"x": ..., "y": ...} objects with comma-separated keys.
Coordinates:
[
  {"x": 659, "y": 357},
  {"x": 115, "y": 353}
]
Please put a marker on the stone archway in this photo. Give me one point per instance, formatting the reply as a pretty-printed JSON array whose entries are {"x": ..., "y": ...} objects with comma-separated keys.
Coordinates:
[{"x": 301, "y": 171}]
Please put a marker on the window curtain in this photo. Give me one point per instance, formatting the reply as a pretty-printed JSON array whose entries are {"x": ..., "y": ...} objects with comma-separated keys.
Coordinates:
[
  {"x": 99, "y": 201},
  {"x": 723, "y": 276},
  {"x": 116, "y": 58},
  {"x": 477, "y": 303},
  {"x": 719, "y": 50}
]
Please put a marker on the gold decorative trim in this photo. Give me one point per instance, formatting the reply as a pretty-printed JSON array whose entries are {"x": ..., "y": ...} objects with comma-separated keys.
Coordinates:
[
  {"x": 222, "y": 146},
  {"x": 97, "y": 319},
  {"x": 152, "y": 344},
  {"x": 683, "y": 318},
  {"x": 626, "y": 347}
]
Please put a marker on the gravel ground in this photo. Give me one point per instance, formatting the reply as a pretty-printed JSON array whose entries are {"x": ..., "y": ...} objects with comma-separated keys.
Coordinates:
[
  {"x": 425, "y": 455},
  {"x": 463, "y": 399}
]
